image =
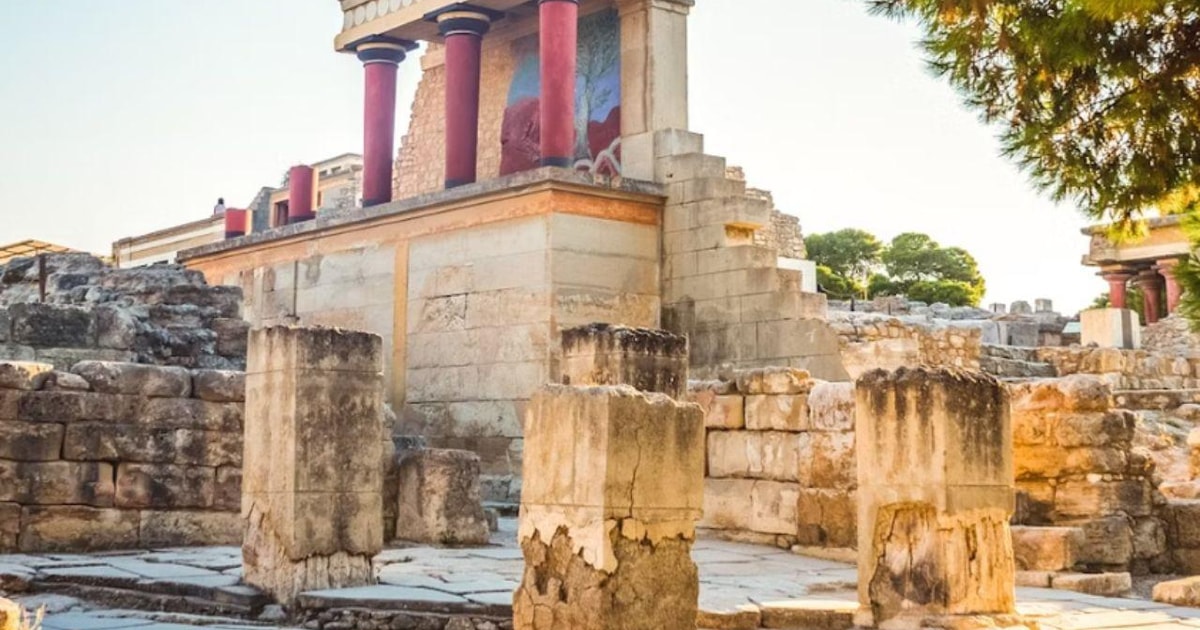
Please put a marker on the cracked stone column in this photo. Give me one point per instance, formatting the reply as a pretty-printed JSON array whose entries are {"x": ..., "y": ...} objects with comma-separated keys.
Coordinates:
[
  {"x": 312, "y": 483},
  {"x": 613, "y": 487},
  {"x": 935, "y": 493}
]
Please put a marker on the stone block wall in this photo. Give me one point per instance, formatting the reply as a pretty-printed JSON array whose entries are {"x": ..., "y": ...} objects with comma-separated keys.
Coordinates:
[
  {"x": 118, "y": 456},
  {"x": 64, "y": 308},
  {"x": 870, "y": 341},
  {"x": 1076, "y": 467},
  {"x": 1171, "y": 336},
  {"x": 1126, "y": 369},
  {"x": 780, "y": 459}
]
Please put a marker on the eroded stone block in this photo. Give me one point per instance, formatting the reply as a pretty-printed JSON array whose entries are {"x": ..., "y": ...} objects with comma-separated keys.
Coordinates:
[
  {"x": 647, "y": 360},
  {"x": 77, "y": 528},
  {"x": 219, "y": 385},
  {"x": 24, "y": 375},
  {"x": 152, "y": 381},
  {"x": 777, "y": 412},
  {"x": 774, "y": 380},
  {"x": 439, "y": 498},
  {"x": 1046, "y": 548}
]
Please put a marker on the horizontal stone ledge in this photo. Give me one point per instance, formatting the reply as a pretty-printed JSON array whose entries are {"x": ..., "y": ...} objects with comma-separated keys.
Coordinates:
[
  {"x": 135, "y": 378},
  {"x": 384, "y": 597}
]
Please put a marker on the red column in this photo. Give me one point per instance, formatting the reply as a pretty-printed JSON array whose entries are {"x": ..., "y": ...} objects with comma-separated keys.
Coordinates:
[
  {"x": 380, "y": 56},
  {"x": 235, "y": 223},
  {"x": 1117, "y": 281},
  {"x": 463, "y": 30},
  {"x": 1151, "y": 285},
  {"x": 300, "y": 194},
  {"x": 559, "y": 37},
  {"x": 1174, "y": 292}
]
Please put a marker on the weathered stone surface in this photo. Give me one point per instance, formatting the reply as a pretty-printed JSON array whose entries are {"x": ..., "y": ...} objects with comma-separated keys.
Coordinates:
[
  {"x": 219, "y": 385},
  {"x": 26, "y": 375},
  {"x": 164, "y": 486},
  {"x": 771, "y": 455},
  {"x": 55, "y": 483},
  {"x": 30, "y": 441},
  {"x": 827, "y": 615},
  {"x": 1082, "y": 498},
  {"x": 767, "y": 507},
  {"x": 827, "y": 518},
  {"x": 10, "y": 528},
  {"x": 1107, "y": 541},
  {"x": 231, "y": 336},
  {"x": 831, "y": 407},
  {"x": 935, "y": 477},
  {"x": 833, "y": 460},
  {"x": 1186, "y": 515},
  {"x": 561, "y": 591},
  {"x": 77, "y": 528},
  {"x": 774, "y": 380},
  {"x": 312, "y": 480},
  {"x": 1103, "y": 584},
  {"x": 101, "y": 441},
  {"x": 721, "y": 411},
  {"x": 59, "y": 381},
  {"x": 1045, "y": 548},
  {"x": 52, "y": 326},
  {"x": 647, "y": 360},
  {"x": 439, "y": 498},
  {"x": 1072, "y": 393},
  {"x": 190, "y": 413},
  {"x": 132, "y": 378},
  {"x": 777, "y": 412},
  {"x": 178, "y": 528},
  {"x": 1184, "y": 592},
  {"x": 207, "y": 448},
  {"x": 228, "y": 492}
]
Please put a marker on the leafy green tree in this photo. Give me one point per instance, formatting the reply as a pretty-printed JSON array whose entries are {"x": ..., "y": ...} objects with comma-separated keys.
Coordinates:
[
  {"x": 850, "y": 254},
  {"x": 836, "y": 286},
  {"x": 1097, "y": 99},
  {"x": 952, "y": 292},
  {"x": 918, "y": 265}
]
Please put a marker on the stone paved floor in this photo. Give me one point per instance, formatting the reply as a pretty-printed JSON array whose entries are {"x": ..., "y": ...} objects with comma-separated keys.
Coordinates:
[{"x": 731, "y": 574}]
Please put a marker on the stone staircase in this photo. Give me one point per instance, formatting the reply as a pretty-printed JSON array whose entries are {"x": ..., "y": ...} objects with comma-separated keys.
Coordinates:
[
  {"x": 1011, "y": 362},
  {"x": 722, "y": 286}
]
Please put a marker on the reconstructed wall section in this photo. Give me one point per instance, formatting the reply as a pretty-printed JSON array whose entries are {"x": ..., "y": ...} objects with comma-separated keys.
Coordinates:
[
  {"x": 118, "y": 456},
  {"x": 780, "y": 459},
  {"x": 870, "y": 341},
  {"x": 1126, "y": 369}
]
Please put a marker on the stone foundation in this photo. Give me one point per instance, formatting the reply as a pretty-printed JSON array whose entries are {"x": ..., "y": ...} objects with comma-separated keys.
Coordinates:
[
  {"x": 439, "y": 500},
  {"x": 118, "y": 456},
  {"x": 313, "y": 480}
]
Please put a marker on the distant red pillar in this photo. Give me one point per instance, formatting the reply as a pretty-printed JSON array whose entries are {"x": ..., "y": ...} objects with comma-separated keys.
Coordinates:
[
  {"x": 463, "y": 28},
  {"x": 1167, "y": 268},
  {"x": 1151, "y": 285},
  {"x": 235, "y": 223},
  {"x": 300, "y": 194},
  {"x": 1117, "y": 281},
  {"x": 381, "y": 56},
  {"x": 558, "y": 39}
]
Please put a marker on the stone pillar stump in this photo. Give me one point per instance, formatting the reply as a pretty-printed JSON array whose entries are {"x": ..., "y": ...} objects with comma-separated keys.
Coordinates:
[
  {"x": 312, "y": 483},
  {"x": 603, "y": 354},
  {"x": 613, "y": 483},
  {"x": 935, "y": 494}
]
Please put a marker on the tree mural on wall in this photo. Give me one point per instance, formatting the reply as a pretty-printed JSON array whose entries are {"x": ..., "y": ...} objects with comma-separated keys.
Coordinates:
[{"x": 597, "y": 101}]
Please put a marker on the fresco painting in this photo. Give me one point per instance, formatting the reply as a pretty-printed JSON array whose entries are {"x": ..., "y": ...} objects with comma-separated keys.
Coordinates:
[{"x": 597, "y": 101}]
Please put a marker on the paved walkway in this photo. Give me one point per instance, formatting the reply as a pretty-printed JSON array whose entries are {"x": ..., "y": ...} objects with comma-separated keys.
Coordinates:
[{"x": 733, "y": 576}]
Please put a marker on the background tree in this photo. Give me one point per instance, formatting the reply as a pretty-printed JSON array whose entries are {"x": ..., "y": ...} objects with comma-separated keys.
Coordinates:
[
  {"x": 1098, "y": 100},
  {"x": 850, "y": 262},
  {"x": 849, "y": 256}
]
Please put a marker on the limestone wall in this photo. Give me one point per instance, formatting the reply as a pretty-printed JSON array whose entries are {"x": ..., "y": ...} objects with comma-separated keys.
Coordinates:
[
  {"x": 118, "y": 456},
  {"x": 1171, "y": 336},
  {"x": 780, "y": 459},
  {"x": 64, "y": 308},
  {"x": 1076, "y": 467},
  {"x": 870, "y": 341}
]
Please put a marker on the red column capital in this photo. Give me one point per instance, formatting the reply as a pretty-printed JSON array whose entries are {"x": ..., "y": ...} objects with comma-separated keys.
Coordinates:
[{"x": 1117, "y": 280}]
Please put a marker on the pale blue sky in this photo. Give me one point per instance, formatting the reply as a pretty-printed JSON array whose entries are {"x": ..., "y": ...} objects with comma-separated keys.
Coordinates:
[{"x": 118, "y": 117}]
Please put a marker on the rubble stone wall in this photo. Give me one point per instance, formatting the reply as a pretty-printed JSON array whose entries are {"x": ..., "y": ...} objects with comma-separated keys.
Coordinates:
[
  {"x": 1076, "y": 467},
  {"x": 65, "y": 308},
  {"x": 118, "y": 456},
  {"x": 1171, "y": 336},
  {"x": 780, "y": 459},
  {"x": 875, "y": 341},
  {"x": 1126, "y": 369}
]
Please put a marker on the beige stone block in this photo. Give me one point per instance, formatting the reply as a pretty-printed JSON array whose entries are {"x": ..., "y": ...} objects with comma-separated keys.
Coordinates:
[
  {"x": 1106, "y": 541},
  {"x": 767, "y": 507},
  {"x": 615, "y": 273},
  {"x": 164, "y": 486},
  {"x": 720, "y": 411},
  {"x": 134, "y": 378},
  {"x": 75, "y": 528},
  {"x": 1077, "y": 392},
  {"x": 207, "y": 448},
  {"x": 23, "y": 375},
  {"x": 759, "y": 455},
  {"x": 178, "y": 528},
  {"x": 220, "y": 386},
  {"x": 529, "y": 270},
  {"x": 773, "y": 380},
  {"x": 10, "y": 529},
  {"x": 827, "y": 518},
  {"x": 58, "y": 381},
  {"x": 745, "y": 212},
  {"x": 1113, "y": 428},
  {"x": 700, "y": 189},
  {"x": 707, "y": 237},
  {"x": 579, "y": 307},
  {"x": 30, "y": 441},
  {"x": 227, "y": 494},
  {"x": 507, "y": 307},
  {"x": 742, "y": 617},
  {"x": 1184, "y": 592},
  {"x": 102, "y": 441},
  {"x": 1110, "y": 328},
  {"x": 686, "y": 166},
  {"x": 825, "y": 614},
  {"x": 833, "y": 460},
  {"x": 57, "y": 482},
  {"x": 1102, "y": 584},
  {"x": 174, "y": 413},
  {"x": 648, "y": 360},
  {"x": 577, "y": 233},
  {"x": 1046, "y": 548},
  {"x": 439, "y": 499},
  {"x": 507, "y": 381},
  {"x": 1088, "y": 498},
  {"x": 831, "y": 407},
  {"x": 777, "y": 412}
]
